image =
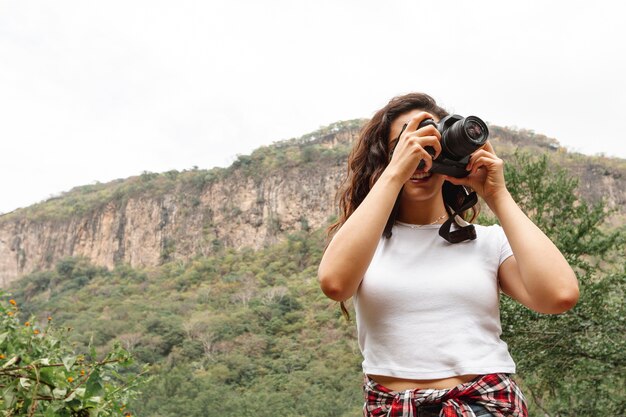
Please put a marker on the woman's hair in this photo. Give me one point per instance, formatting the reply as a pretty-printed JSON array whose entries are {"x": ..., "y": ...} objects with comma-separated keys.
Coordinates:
[{"x": 370, "y": 157}]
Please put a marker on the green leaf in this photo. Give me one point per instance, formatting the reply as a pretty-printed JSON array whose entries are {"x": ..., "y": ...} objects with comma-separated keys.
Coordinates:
[
  {"x": 93, "y": 401},
  {"x": 43, "y": 361},
  {"x": 10, "y": 362},
  {"x": 53, "y": 342},
  {"x": 45, "y": 391},
  {"x": 59, "y": 393},
  {"x": 8, "y": 397},
  {"x": 51, "y": 376},
  {"x": 92, "y": 349},
  {"x": 50, "y": 412},
  {"x": 70, "y": 397},
  {"x": 25, "y": 383},
  {"x": 94, "y": 384},
  {"x": 80, "y": 392},
  {"x": 68, "y": 362}
]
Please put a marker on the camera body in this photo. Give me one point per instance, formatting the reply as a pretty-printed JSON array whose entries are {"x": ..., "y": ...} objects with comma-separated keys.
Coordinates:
[{"x": 460, "y": 137}]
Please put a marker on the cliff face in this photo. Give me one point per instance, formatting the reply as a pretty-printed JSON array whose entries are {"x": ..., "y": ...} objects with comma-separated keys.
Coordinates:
[
  {"x": 278, "y": 189},
  {"x": 240, "y": 209}
]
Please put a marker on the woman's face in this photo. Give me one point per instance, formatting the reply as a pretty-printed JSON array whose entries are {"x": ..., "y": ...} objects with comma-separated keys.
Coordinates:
[{"x": 423, "y": 186}]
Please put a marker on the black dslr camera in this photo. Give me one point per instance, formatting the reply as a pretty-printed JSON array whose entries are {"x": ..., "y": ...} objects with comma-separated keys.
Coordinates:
[{"x": 459, "y": 138}]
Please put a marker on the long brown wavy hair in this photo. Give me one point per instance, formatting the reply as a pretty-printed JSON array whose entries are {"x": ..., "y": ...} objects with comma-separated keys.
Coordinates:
[{"x": 370, "y": 156}]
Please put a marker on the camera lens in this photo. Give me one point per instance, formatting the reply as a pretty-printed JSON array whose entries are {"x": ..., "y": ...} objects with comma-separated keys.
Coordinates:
[
  {"x": 473, "y": 130},
  {"x": 464, "y": 137}
]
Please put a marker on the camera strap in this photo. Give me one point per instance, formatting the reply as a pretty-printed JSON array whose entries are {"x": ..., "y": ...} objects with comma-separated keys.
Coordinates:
[{"x": 457, "y": 199}]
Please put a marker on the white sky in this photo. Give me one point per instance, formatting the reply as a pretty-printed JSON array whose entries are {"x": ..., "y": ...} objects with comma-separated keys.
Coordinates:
[{"x": 98, "y": 90}]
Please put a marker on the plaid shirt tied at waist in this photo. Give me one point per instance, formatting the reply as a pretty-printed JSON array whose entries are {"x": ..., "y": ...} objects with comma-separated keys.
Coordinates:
[{"x": 498, "y": 393}]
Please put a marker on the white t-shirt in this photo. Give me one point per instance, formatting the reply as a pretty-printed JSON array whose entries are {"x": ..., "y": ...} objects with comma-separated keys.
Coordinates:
[{"x": 428, "y": 309}]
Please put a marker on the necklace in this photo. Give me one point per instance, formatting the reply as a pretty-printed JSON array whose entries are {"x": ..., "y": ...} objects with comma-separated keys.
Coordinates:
[{"x": 417, "y": 226}]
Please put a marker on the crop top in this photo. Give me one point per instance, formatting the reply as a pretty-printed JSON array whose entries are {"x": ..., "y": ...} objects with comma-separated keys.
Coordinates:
[{"x": 428, "y": 309}]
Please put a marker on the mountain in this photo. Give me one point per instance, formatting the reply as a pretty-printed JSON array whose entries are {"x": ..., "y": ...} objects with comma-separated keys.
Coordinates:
[
  {"x": 285, "y": 187},
  {"x": 209, "y": 277}
]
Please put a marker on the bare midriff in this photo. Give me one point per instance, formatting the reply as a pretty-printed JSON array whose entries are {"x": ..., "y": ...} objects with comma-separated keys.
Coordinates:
[{"x": 399, "y": 384}]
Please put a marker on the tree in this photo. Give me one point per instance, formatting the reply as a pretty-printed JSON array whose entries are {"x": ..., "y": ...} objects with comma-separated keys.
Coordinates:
[
  {"x": 41, "y": 376},
  {"x": 570, "y": 364}
]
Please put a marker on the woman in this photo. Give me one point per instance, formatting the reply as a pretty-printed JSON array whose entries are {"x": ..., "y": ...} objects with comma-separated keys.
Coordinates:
[{"x": 427, "y": 310}]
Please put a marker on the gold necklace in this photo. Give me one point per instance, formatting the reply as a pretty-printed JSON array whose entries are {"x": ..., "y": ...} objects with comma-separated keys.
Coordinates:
[{"x": 417, "y": 226}]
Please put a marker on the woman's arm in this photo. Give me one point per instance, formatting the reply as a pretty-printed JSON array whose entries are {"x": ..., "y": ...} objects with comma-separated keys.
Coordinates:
[
  {"x": 350, "y": 252},
  {"x": 537, "y": 275}
]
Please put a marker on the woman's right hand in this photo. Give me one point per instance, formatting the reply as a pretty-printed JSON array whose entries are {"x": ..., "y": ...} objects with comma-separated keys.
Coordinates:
[
  {"x": 410, "y": 147},
  {"x": 351, "y": 250}
]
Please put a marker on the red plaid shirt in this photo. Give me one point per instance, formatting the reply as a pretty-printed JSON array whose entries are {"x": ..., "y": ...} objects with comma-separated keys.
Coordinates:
[{"x": 498, "y": 393}]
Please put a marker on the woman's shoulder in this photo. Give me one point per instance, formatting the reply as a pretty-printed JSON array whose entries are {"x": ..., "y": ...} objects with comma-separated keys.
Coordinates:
[
  {"x": 494, "y": 231},
  {"x": 489, "y": 227}
]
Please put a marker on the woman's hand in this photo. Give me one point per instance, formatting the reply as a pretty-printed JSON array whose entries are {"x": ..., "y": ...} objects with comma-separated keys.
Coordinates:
[
  {"x": 410, "y": 147},
  {"x": 538, "y": 275},
  {"x": 486, "y": 174}
]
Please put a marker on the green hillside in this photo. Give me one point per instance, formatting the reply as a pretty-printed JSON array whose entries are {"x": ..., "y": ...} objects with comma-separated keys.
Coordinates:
[
  {"x": 309, "y": 150},
  {"x": 248, "y": 332},
  {"x": 240, "y": 331}
]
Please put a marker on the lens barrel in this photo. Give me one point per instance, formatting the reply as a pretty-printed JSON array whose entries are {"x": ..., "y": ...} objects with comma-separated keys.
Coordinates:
[{"x": 464, "y": 137}]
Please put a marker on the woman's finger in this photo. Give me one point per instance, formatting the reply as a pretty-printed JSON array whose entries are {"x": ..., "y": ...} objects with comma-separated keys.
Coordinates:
[
  {"x": 414, "y": 122},
  {"x": 428, "y": 130},
  {"x": 487, "y": 146},
  {"x": 424, "y": 141},
  {"x": 483, "y": 161},
  {"x": 425, "y": 156},
  {"x": 478, "y": 154},
  {"x": 457, "y": 181}
]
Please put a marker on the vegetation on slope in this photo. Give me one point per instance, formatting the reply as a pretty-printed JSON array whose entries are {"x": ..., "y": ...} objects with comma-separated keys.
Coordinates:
[
  {"x": 230, "y": 334},
  {"x": 309, "y": 149},
  {"x": 42, "y": 376},
  {"x": 319, "y": 149},
  {"x": 246, "y": 332}
]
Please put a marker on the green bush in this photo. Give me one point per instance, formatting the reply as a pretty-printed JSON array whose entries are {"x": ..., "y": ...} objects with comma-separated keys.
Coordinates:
[{"x": 42, "y": 376}]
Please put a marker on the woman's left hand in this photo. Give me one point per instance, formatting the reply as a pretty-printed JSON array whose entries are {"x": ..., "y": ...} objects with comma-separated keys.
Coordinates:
[
  {"x": 486, "y": 174},
  {"x": 537, "y": 275}
]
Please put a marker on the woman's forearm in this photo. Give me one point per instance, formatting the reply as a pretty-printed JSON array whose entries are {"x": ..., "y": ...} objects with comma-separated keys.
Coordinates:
[
  {"x": 351, "y": 250},
  {"x": 546, "y": 275}
]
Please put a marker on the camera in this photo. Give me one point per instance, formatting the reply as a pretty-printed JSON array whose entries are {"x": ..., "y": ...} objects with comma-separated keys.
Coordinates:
[{"x": 460, "y": 136}]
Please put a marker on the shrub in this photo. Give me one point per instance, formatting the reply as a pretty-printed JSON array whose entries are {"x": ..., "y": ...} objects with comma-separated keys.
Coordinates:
[{"x": 40, "y": 375}]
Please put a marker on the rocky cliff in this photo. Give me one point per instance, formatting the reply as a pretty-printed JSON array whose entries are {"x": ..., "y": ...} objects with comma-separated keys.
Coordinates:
[
  {"x": 152, "y": 218},
  {"x": 288, "y": 186}
]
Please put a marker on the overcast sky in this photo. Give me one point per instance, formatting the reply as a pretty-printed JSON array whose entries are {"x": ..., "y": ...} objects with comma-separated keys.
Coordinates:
[{"x": 99, "y": 90}]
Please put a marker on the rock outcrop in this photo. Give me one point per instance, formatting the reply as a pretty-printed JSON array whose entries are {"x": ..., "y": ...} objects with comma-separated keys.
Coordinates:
[{"x": 278, "y": 189}]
